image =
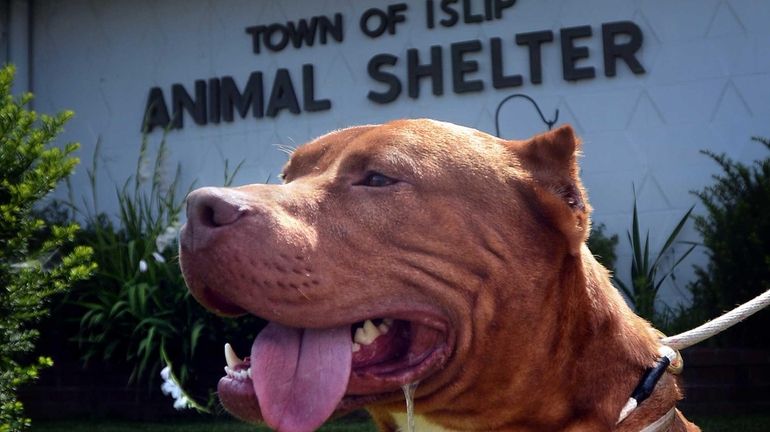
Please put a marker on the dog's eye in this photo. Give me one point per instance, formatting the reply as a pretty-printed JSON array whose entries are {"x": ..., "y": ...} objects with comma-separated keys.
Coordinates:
[{"x": 375, "y": 179}]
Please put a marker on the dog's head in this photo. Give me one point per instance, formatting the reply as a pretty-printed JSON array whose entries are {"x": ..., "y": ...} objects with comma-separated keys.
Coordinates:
[{"x": 392, "y": 254}]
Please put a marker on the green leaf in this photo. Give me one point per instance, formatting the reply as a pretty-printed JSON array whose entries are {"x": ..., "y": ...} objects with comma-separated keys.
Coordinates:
[
  {"x": 645, "y": 269},
  {"x": 673, "y": 235},
  {"x": 194, "y": 335}
]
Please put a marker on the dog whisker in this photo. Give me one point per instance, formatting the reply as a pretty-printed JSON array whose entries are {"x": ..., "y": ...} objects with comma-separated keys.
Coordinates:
[{"x": 286, "y": 149}]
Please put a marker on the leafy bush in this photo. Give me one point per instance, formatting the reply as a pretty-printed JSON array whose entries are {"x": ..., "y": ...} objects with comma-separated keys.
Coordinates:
[
  {"x": 37, "y": 259},
  {"x": 736, "y": 234},
  {"x": 128, "y": 308},
  {"x": 646, "y": 270},
  {"x": 137, "y": 308}
]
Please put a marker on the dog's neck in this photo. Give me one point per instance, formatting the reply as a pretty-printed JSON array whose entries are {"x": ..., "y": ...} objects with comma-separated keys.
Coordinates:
[
  {"x": 607, "y": 354},
  {"x": 599, "y": 350}
]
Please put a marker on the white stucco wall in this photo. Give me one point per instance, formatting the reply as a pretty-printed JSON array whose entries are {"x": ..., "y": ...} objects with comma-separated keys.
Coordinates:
[{"x": 706, "y": 86}]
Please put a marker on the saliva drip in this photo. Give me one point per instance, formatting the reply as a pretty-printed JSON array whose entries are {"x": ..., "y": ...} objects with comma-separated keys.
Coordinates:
[{"x": 409, "y": 390}]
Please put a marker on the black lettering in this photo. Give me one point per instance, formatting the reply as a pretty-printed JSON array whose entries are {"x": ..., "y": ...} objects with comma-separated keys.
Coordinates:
[
  {"x": 429, "y": 18},
  {"x": 181, "y": 101},
  {"x": 499, "y": 79},
  {"x": 283, "y": 37},
  {"x": 334, "y": 30},
  {"x": 502, "y": 4},
  {"x": 488, "y": 10},
  {"x": 302, "y": 32},
  {"x": 570, "y": 54},
  {"x": 255, "y": 32},
  {"x": 381, "y": 27},
  {"x": 454, "y": 16},
  {"x": 395, "y": 16},
  {"x": 309, "y": 102},
  {"x": 416, "y": 71},
  {"x": 468, "y": 16},
  {"x": 214, "y": 100},
  {"x": 283, "y": 95},
  {"x": 461, "y": 67},
  {"x": 534, "y": 41},
  {"x": 155, "y": 112},
  {"x": 625, "y": 51},
  {"x": 250, "y": 98},
  {"x": 392, "y": 81}
]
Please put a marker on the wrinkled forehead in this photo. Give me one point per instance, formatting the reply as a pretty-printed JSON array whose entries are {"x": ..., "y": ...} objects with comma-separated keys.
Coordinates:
[{"x": 426, "y": 143}]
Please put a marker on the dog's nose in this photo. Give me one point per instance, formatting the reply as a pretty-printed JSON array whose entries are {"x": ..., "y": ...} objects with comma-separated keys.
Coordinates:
[
  {"x": 208, "y": 210},
  {"x": 213, "y": 207}
]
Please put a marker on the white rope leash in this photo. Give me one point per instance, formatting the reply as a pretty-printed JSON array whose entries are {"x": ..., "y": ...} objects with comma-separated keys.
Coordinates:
[
  {"x": 718, "y": 325},
  {"x": 670, "y": 346}
]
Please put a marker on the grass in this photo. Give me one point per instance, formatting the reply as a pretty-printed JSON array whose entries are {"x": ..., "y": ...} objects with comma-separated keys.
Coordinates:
[{"x": 742, "y": 423}]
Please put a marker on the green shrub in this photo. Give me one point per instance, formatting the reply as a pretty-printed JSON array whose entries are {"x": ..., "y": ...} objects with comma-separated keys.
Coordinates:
[
  {"x": 648, "y": 272},
  {"x": 736, "y": 235},
  {"x": 37, "y": 259},
  {"x": 603, "y": 246},
  {"x": 137, "y": 309}
]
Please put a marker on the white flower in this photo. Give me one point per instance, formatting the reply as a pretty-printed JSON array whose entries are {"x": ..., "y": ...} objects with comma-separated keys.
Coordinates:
[
  {"x": 165, "y": 373},
  {"x": 171, "y": 388},
  {"x": 167, "y": 237},
  {"x": 167, "y": 388},
  {"x": 181, "y": 403},
  {"x": 158, "y": 257},
  {"x": 145, "y": 169},
  {"x": 142, "y": 266}
]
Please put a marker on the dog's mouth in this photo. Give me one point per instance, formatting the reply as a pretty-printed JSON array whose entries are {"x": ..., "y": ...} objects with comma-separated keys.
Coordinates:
[{"x": 295, "y": 379}]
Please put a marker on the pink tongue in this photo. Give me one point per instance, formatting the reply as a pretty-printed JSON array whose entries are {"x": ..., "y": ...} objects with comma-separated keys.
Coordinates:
[{"x": 300, "y": 375}]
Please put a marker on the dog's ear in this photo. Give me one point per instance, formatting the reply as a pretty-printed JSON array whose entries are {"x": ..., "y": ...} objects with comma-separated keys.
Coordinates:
[{"x": 551, "y": 161}]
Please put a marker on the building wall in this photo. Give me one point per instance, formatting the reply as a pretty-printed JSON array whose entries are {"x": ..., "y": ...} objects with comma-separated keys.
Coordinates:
[{"x": 706, "y": 86}]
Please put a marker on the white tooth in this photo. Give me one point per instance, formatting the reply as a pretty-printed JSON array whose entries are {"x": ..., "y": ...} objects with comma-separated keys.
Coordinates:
[
  {"x": 383, "y": 328},
  {"x": 363, "y": 337},
  {"x": 360, "y": 336},
  {"x": 388, "y": 321},
  {"x": 248, "y": 372},
  {"x": 371, "y": 329},
  {"x": 230, "y": 356},
  {"x": 367, "y": 334},
  {"x": 356, "y": 347}
]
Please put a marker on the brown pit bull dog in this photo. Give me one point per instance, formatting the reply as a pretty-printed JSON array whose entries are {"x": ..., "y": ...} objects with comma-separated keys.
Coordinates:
[{"x": 423, "y": 252}]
